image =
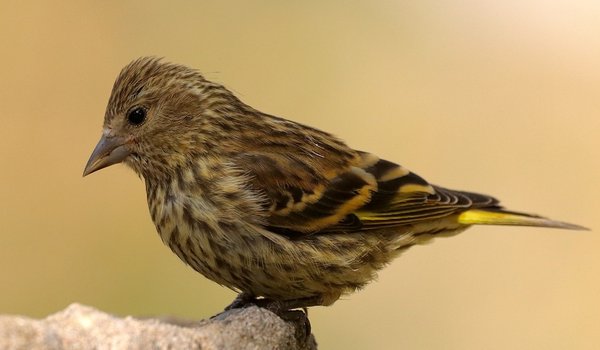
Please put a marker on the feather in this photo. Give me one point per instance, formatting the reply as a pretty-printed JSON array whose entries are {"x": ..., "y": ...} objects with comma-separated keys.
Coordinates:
[
  {"x": 364, "y": 194},
  {"x": 504, "y": 217}
]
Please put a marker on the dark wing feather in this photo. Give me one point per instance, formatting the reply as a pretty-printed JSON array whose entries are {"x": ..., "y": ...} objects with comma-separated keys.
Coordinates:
[
  {"x": 403, "y": 197},
  {"x": 305, "y": 197}
]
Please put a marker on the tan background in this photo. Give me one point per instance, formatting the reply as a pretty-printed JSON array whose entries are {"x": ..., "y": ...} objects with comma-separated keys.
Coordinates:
[{"x": 492, "y": 96}]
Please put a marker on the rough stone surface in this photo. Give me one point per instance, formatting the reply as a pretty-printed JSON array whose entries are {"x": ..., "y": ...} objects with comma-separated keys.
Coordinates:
[{"x": 83, "y": 327}]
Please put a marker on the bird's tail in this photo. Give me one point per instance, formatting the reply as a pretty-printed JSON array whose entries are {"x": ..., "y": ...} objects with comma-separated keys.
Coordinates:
[{"x": 504, "y": 217}]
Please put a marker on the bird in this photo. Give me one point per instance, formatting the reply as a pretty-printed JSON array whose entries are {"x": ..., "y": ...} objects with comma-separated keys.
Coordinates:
[{"x": 286, "y": 215}]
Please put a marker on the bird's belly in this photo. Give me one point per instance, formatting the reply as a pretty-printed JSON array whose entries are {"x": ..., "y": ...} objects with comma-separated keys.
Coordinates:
[{"x": 326, "y": 265}]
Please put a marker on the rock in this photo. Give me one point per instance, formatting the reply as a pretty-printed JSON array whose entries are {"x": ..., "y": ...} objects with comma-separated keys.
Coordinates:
[{"x": 83, "y": 327}]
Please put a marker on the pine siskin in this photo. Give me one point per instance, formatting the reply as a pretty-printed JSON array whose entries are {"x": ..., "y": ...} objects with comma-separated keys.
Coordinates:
[{"x": 278, "y": 211}]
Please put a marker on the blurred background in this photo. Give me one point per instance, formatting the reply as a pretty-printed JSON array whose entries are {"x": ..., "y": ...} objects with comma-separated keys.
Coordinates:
[{"x": 497, "y": 97}]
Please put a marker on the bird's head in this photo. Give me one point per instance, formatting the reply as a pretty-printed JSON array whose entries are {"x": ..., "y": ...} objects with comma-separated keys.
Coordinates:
[{"x": 157, "y": 114}]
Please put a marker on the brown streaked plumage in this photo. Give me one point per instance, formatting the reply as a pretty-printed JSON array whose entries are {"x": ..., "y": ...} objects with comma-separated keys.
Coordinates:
[{"x": 266, "y": 206}]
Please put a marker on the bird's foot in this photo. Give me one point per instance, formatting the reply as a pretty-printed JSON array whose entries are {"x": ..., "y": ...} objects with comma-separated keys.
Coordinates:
[
  {"x": 285, "y": 309},
  {"x": 299, "y": 318},
  {"x": 242, "y": 300}
]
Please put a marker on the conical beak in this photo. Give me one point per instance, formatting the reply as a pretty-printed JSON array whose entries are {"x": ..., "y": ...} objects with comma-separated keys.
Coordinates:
[{"x": 109, "y": 150}]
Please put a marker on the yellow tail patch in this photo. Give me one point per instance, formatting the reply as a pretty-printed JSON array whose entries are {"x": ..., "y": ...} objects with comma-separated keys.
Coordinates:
[{"x": 484, "y": 217}]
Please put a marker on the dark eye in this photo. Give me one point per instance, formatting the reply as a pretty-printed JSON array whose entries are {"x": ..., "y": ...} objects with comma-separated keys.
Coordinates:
[{"x": 136, "y": 116}]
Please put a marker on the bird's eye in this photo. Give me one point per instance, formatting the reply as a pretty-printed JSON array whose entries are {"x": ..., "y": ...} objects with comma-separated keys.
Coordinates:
[{"x": 136, "y": 116}]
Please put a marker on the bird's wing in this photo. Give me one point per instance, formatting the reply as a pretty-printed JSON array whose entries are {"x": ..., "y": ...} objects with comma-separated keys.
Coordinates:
[
  {"x": 304, "y": 197},
  {"x": 403, "y": 197}
]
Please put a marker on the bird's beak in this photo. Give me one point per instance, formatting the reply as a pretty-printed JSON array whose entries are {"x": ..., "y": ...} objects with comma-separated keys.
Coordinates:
[{"x": 109, "y": 150}]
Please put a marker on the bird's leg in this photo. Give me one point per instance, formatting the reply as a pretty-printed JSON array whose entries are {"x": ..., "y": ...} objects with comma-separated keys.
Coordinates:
[
  {"x": 242, "y": 300},
  {"x": 279, "y": 306}
]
